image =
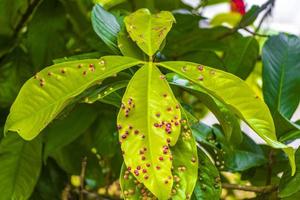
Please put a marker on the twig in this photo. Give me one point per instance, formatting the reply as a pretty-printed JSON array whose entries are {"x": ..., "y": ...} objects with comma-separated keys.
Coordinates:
[
  {"x": 257, "y": 189},
  {"x": 22, "y": 22},
  {"x": 256, "y": 34},
  {"x": 82, "y": 177},
  {"x": 270, "y": 4},
  {"x": 270, "y": 165}
]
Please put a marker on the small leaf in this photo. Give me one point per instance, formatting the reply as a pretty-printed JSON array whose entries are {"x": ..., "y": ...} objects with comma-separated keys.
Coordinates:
[
  {"x": 148, "y": 123},
  {"x": 102, "y": 92},
  {"x": 237, "y": 95},
  {"x": 281, "y": 78},
  {"x": 106, "y": 26},
  {"x": 209, "y": 182},
  {"x": 147, "y": 30},
  {"x": 44, "y": 96},
  {"x": 20, "y": 165},
  {"x": 250, "y": 16}
]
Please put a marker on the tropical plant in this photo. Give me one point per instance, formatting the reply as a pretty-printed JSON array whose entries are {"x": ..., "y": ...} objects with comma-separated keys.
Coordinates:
[{"x": 68, "y": 127}]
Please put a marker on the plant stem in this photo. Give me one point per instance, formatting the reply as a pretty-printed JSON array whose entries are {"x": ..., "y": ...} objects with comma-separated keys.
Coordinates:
[
  {"x": 257, "y": 189},
  {"x": 82, "y": 177}
]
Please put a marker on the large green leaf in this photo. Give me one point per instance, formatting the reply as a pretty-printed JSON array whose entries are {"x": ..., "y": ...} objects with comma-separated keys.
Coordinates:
[
  {"x": 241, "y": 55},
  {"x": 227, "y": 119},
  {"x": 45, "y": 95},
  {"x": 185, "y": 169},
  {"x": 147, "y": 30},
  {"x": 148, "y": 123},
  {"x": 237, "y": 95},
  {"x": 106, "y": 26},
  {"x": 281, "y": 78},
  {"x": 65, "y": 131},
  {"x": 20, "y": 164}
]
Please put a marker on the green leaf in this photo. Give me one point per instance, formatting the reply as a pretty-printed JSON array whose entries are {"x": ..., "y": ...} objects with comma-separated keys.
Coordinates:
[
  {"x": 51, "y": 183},
  {"x": 231, "y": 18},
  {"x": 106, "y": 26},
  {"x": 206, "y": 57},
  {"x": 281, "y": 78},
  {"x": 64, "y": 131},
  {"x": 128, "y": 47},
  {"x": 45, "y": 40},
  {"x": 102, "y": 92},
  {"x": 241, "y": 55},
  {"x": 14, "y": 70},
  {"x": 53, "y": 87},
  {"x": 289, "y": 185},
  {"x": 185, "y": 164},
  {"x": 229, "y": 156},
  {"x": 250, "y": 16},
  {"x": 185, "y": 169},
  {"x": 209, "y": 183},
  {"x": 228, "y": 121},
  {"x": 147, "y": 103},
  {"x": 237, "y": 95},
  {"x": 147, "y": 30},
  {"x": 107, "y": 4},
  {"x": 20, "y": 164}
]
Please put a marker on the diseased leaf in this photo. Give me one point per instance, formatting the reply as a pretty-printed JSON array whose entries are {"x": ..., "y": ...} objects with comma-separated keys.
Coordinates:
[
  {"x": 237, "y": 95},
  {"x": 20, "y": 165},
  {"x": 65, "y": 131},
  {"x": 281, "y": 79},
  {"x": 229, "y": 156},
  {"x": 106, "y": 26},
  {"x": 148, "y": 123},
  {"x": 147, "y": 30},
  {"x": 228, "y": 121},
  {"x": 185, "y": 169},
  {"x": 209, "y": 182},
  {"x": 42, "y": 97}
]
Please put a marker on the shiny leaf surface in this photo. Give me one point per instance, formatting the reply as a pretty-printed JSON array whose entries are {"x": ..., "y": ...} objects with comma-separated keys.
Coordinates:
[
  {"x": 148, "y": 123},
  {"x": 20, "y": 165},
  {"x": 281, "y": 78},
  {"x": 46, "y": 94},
  {"x": 237, "y": 95}
]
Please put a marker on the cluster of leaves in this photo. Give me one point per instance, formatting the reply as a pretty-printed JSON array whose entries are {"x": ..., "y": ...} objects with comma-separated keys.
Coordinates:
[{"x": 74, "y": 103}]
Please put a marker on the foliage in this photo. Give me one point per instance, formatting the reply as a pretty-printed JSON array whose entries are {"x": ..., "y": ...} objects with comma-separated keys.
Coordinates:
[{"x": 123, "y": 105}]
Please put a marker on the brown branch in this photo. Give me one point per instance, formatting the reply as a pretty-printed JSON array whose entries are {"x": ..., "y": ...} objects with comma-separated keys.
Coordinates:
[
  {"x": 256, "y": 34},
  {"x": 26, "y": 16},
  {"x": 257, "y": 189},
  {"x": 82, "y": 177}
]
